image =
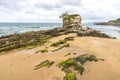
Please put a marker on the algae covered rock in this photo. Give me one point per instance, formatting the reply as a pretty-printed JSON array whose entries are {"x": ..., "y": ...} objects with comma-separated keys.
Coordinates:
[
  {"x": 61, "y": 47},
  {"x": 71, "y": 63},
  {"x": 69, "y": 38},
  {"x": 70, "y": 76},
  {"x": 91, "y": 32},
  {"x": 57, "y": 43},
  {"x": 76, "y": 63},
  {"x": 86, "y": 57},
  {"x": 46, "y": 63}
]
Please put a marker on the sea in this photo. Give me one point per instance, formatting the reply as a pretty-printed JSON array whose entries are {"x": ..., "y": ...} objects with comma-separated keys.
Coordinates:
[{"x": 12, "y": 28}]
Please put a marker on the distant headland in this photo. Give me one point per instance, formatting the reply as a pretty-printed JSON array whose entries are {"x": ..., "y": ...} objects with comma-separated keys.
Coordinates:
[{"x": 111, "y": 22}]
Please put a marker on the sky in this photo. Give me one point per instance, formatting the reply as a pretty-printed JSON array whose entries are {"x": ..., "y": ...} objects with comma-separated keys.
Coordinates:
[{"x": 49, "y": 10}]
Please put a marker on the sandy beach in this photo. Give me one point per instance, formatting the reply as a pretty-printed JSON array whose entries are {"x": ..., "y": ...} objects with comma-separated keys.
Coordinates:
[{"x": 19, "y": 64}]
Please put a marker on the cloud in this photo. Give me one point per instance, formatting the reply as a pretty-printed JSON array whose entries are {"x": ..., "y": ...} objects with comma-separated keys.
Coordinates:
[
  {"x": 49, "y": 10},
  {"x": 48, "y": 5},
  {"x": 56, "y": 4},
  {"x": 71, "y": 2},
  {"x": 10, "y": 5}
]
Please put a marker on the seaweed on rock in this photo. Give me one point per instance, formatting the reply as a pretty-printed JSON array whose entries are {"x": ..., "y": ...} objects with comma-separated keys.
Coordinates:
[
  {"x": 57, "y": 43},
  {"x": 86, "y": 57},
  {"x": 76, "y": 64},
  {"x": 69, "y": 38},
  {"x": 44, "y": 50},
  {"x": 71, "y": 62},
  {"x": 70, "y": 76},
  {"x": 65, "y": 45},
  {"x": 46, "y": 63}
]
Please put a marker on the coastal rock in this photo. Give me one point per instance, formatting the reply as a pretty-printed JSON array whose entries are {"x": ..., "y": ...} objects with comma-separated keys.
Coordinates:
[
  {"x": 72, "y": 20},
  {"x": 92, "y": 32}
]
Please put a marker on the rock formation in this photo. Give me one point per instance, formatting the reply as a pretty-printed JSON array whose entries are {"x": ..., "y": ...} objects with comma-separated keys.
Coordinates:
[
  {"x": 72, "y": 24},
  {"x": 72, "y": 20}
]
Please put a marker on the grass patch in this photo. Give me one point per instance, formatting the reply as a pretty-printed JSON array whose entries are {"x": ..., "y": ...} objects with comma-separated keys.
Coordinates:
[{"x": 46, "y": 63}]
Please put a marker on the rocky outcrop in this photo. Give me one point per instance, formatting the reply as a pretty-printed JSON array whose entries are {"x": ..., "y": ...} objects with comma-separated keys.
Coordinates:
[
  {"x": 40, "y": 37},
  {"x": 28, "y": 39},
  {"x": 72, "y": 20},
  {"x": 91, "y": 32}
]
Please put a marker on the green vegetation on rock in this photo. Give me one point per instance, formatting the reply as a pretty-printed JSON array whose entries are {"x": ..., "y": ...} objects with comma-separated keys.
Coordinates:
[
  {"x": 71, "y": 63},
  {"x": 46, "y": 63},
  {"x": 69, "y": 38},
  {"x": 66, "y": 15},
  {"x": 55, "y": 44},
  {"x": 76, "y": 63},
  {"x": 70, "y": 76},
  {"x": 58, "y": 43},
  {"x": 67, "y": 63},
  {"x": 65, "y": 45},
  {"x": 117, "y": 21},
  {"x": 44, "y": 50}
]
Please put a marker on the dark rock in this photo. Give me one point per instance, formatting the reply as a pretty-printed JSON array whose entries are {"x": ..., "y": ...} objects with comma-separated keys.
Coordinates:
[{"x": 92, "y": 32}]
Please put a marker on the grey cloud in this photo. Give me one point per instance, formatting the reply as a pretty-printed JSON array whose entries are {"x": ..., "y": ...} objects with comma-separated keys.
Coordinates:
[
  {"x": 30, "y": 12},
  {"x": 58, "y": 5},
  {"x": 14, "y": 6},
  {"x": 10, "y": 5},
  {"x": 71, "y": 2},
  {"x": 48, "y": 6}
]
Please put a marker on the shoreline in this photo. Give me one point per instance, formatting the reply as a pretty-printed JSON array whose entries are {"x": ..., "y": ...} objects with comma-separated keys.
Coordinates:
[{"x": 36, "y": 38}]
